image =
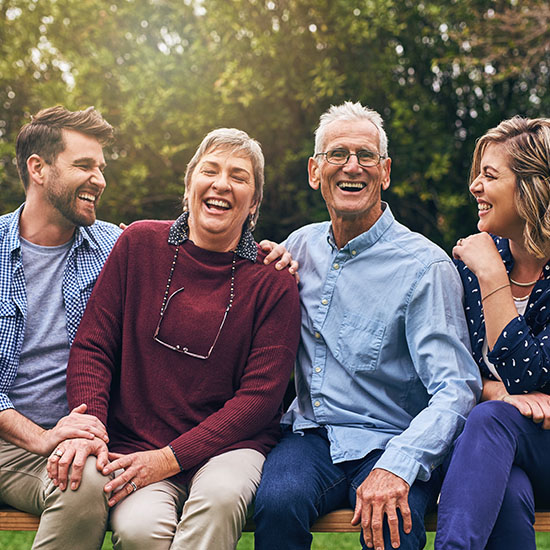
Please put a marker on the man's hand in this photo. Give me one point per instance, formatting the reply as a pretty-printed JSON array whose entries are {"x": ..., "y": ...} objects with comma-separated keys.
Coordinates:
[
  {"x": 535, "y": 405},
  {"x": 73, "y": 453},
  {"x": 382, "y": 493},
  {"x": 279, "y": 252},
  {"x": 74, "y": 425},
  {"x": 137, "y": 470}
]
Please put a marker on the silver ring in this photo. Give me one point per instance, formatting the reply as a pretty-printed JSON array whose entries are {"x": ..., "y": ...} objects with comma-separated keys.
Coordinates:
[
  {"x": 134, "y": 486},
  {"x": 58, "y": 452}
]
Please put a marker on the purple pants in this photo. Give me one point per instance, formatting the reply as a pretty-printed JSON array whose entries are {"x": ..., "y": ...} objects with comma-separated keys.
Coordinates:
[{"x": 498, "y": 472}]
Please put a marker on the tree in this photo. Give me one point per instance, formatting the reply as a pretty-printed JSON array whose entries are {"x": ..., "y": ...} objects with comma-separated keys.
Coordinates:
[{"x": 165, "y": 72}]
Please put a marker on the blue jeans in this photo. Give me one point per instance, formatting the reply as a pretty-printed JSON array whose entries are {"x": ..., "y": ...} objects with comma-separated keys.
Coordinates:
[
  {"x": 499, "y": 470},
  {"x": 300, "y": 483}
]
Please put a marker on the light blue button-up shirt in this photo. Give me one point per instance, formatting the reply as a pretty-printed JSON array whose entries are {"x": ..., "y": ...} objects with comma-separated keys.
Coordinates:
[{"x": 384, "y": 360}]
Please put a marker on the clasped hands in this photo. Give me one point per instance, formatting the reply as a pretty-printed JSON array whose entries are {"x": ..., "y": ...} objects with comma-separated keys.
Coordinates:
[{"x": 124, "y": 473}]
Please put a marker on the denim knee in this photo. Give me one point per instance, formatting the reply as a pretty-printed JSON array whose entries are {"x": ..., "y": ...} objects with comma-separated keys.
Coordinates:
[{"x": 277, "y": 496}]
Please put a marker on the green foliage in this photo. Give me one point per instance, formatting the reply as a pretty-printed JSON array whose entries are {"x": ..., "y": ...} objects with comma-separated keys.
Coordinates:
[
  {"x": 165, "y": 72},
  {"x": 321, "y": 541}
]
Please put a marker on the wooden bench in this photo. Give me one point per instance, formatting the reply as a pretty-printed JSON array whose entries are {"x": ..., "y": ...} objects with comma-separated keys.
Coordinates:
[{"x": 335, "y": 522}]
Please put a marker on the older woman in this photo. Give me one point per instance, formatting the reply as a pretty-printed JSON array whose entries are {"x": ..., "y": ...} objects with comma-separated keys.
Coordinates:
[
  {"x": 184, "y": 352},
  {"x": 500, "y": 467}
]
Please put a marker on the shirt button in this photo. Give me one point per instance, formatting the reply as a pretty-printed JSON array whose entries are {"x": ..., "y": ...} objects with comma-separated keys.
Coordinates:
[
  {"x": 324, "y": 301},
  {"x": 318, "y": 369},
  {"x": 354, "y": 252},
  {"x": 317, "y": 335},
  {"x": 317, "y": 403},
  {"x": 336, "y": 266}
]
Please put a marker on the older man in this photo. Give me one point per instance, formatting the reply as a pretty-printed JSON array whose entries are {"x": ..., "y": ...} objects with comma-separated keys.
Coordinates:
[
  {"x": 51, "y": 252},
  {"x": 384, "y": 375}
]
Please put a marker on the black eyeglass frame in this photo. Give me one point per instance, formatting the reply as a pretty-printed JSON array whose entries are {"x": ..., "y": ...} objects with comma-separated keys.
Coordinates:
[
  {"x": 349, "y": 154},
  {"x": 185, "y": 349}
]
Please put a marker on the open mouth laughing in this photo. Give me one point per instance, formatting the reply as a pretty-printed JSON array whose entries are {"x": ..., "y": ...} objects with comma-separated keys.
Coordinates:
[
  {"x": 217, "y": 204},
  {"x": 352, "y": 186},
  {"x": 88, "y": 197},
  {"x": 483, "y": 207}
]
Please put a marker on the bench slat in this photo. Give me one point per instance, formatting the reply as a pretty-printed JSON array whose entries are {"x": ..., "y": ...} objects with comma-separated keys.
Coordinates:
[
  {"x": 14, "y": 520},
  {"x": 339, "y": 521},
  {"x": 335, "y": 522}
]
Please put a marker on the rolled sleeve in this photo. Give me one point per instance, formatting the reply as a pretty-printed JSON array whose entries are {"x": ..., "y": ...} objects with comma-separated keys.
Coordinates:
[{"x": 521, "y": 358}]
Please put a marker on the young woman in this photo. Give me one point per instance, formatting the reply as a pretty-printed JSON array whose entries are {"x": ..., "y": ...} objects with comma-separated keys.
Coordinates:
[{"x": 500, "y": 467}]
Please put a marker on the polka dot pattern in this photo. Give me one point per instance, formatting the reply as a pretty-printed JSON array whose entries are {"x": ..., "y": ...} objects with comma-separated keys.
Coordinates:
[
  {"x": 521, "y": 354},
  {"x": 179, "y": 232}
]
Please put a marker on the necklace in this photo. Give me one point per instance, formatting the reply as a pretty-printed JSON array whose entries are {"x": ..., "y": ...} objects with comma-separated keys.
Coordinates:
[
  {"x": 231, "y": 291},
  {"x": 531, "y": 283},
  {"x": 184, "y": 349}
]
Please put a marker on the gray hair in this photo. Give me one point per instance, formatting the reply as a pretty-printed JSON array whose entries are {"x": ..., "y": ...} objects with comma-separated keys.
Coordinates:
[
  {"x": 235, "y": 141},
  {"x": 350, "y": 111}
]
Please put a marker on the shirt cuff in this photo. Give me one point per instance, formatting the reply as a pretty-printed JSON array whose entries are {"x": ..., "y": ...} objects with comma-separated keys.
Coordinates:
[
  {"x": 400, "y": 464},
  {"x": 5, "y": 402},
  {"x": 177, "y": 459}
]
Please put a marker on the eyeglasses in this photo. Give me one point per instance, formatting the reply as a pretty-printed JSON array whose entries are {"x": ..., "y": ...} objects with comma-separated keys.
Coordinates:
[
  {"x": 184, "y": 349},
  {"x": 365, "y": 157},
  {"x": 166, "y": 302}
]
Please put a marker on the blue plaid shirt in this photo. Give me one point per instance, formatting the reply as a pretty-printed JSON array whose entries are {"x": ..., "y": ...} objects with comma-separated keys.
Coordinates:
[{"x": 88, "y": 253}]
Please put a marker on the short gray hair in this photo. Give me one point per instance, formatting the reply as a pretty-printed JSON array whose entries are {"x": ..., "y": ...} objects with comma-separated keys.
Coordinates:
[
  {"x": 350, "y": 111},
  {"x": 235, "y": 141}
]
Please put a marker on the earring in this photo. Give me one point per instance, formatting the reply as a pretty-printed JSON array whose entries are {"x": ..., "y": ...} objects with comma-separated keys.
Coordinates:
[{"x": 251, "y": 222}]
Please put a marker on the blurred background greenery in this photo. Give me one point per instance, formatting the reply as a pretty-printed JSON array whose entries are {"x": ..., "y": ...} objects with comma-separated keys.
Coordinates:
[
  {"x": 321, "y": 541},
  {"x": 165, "y": 72}
]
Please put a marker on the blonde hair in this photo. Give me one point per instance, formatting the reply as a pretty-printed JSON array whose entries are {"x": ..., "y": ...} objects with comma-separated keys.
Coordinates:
[{"x": 527, "y": 142}]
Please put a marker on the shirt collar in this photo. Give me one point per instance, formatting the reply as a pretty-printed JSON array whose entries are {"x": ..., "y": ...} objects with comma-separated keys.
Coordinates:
[
  {"x": 14, "y": 243},
  {"x": 179, "y": 233},
  {"x": 368, "y": 238},
  {"x": 503, "y": 246},
  {"x": 81, "y": 234}
]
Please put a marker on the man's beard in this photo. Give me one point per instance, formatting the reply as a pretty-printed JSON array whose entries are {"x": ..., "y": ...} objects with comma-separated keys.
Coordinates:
[{"x": 64, "y": 199}]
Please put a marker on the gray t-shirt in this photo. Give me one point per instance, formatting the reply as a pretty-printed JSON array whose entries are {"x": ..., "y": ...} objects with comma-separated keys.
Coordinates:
[{"x": 38, "y": 391}]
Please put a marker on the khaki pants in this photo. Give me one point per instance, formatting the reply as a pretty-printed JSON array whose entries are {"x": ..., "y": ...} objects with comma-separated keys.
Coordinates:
[
  {"x": 209, "y": 514},
  {"x": 74, "y": 520}
]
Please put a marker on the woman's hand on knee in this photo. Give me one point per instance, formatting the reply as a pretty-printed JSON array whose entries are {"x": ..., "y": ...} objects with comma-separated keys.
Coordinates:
[
  {"x": 136, "y": 470},
  {"x": 535, "y": 405}
]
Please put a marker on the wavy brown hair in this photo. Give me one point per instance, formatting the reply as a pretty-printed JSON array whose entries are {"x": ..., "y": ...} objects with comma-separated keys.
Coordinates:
[{"x": 527, "y": 142}]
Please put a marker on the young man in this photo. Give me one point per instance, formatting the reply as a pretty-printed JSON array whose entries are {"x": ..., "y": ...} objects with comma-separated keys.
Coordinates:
[
  {"x": 384, "y": 374},
  {"x": 51, "y": 252}
]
